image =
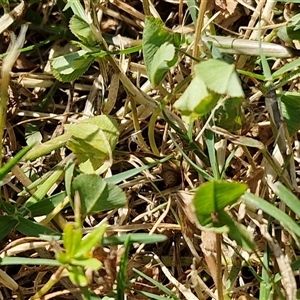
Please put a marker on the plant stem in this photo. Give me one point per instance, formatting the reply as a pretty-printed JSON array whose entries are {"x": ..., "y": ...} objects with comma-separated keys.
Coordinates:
[
  {"x": 219, "y": 282},
  {"x": 48, "y": 146},
  {"x": 146, "y": 8},
  {"x": 53, "y": 280},
  {"x": 199, "y": 26},
  {"x": 151, "y": 131},
  {"x": 3, "y": 108}
]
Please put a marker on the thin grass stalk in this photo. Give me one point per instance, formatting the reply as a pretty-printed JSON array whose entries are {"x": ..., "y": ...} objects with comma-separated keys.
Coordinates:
[
  {"x": 151, "y": 131},
  {"x": 49, "y": 284},
  {"x": 199, "y": 25},
  {"x": 146, "y": 8},
  {"x": 219, "y": 282},
  {"x": 8, "y": 62}
]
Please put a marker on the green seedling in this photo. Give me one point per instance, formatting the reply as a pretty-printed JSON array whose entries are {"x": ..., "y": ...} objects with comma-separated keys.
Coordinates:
[
  {"x": 212, "y": 79},
  {"x": 209, "y": 202},
  {"x": 92, "y": 140}
]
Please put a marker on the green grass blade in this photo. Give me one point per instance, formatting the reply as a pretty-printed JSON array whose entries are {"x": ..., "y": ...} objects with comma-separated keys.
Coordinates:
[
  {"x": 265, "y": 66},
  {"x": 287, "y": 197},
  {"x": 6, "y": 261},
  {"x": 210, "y": 143},
  {"x": 197, "y": 168},
  {"x": 69, "y": 171},
  {"x": 227, "y": 162},
  {"x": 265, "y": 284},
  {"x": 45, "y": 187},
  {"x": 252, "y": 75},
  {"x": 157, "y": 284},
  {"x": 142, "y": 238},
  {"x": 31, "y": 228},
  {"x": 193, "y": 9},
  {"x": 259, "y": 203},
  {"x": 48, "y": 146},
  {"x": 121, "y": 280},
  {"x": 115, "y": 179},
  {"x": 185, "y": 137},
  {"x": 286, "y": 68},
  {"x": 10, "y": 164},
  {"x": 47, "y": 205},
  {"x": 152, "y": 296},
  {"x": 296, "y": 265},
  {"x": 7, "y": 223}
]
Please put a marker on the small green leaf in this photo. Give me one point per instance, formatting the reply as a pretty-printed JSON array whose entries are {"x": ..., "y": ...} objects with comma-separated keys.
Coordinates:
[
  {"x": 96, "y": 195},
  {"x": 71, "y": 66},
  {"x": 162, "y": 61},
  {"x": 77, "y": 276},
  {"x": 93, "y": 141},
  {"x": 229, "y": 116},
  {"x": 154, "y": 36},
  {"x": 9, "y": 208},
  {"x": 90, "y": 145},
  {"x": 62, "y": 257},
  {"x": 65, "y": 64},
  {"x": 82, "y": 31},
  {"x": 108, "y": 125},
  {"x": 90, "y": 188},
  {"x": 212, "y": 197},
  {"x": 115, "y": 197},
  {"x": 192, "y": 96},
  {"x": 77, "y": 8},
  {"x": 293, "y": 27},
  {"x": 32, "y": 134},
  {"x": 290, "y": 109},
  {"x": 282, "y": 33},
  {"x": 220, "y": 77},
  {"x": 196, "y": 100},
  {"x": 72, "y": 239},
  {"x": 91, "y": 263},
  {"x": 91, "y": 240}
]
